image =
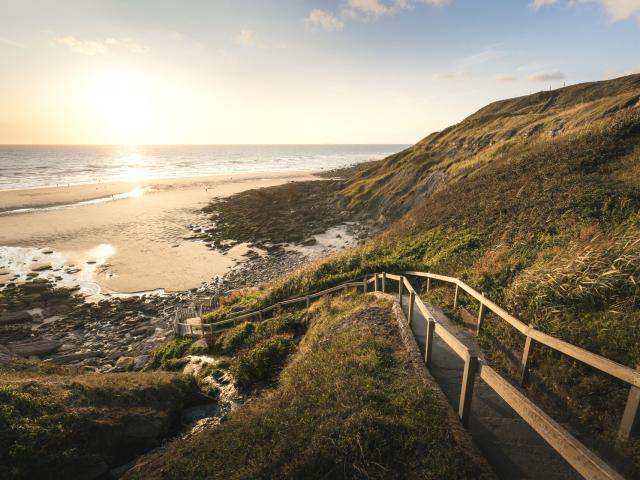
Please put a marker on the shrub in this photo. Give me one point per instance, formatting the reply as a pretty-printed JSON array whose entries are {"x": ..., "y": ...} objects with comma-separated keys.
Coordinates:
[
  {"x": 162, "y": 355},
  {"x": 230, "y": 341},
  {"x": 262, "y": 361}
]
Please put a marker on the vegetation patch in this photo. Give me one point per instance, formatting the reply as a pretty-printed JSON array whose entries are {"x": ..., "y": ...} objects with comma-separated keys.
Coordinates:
[
  {"x": 347, "y": 405},
  {"x": 168, "y": 355},
  {"x": 262, "y": 361},
  {"x": 285, "y": 213},
  {"x": 64, "y": 425}
]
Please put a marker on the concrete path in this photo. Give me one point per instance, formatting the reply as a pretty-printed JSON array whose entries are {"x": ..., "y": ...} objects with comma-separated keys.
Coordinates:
[{"x": 514, "y": 450}]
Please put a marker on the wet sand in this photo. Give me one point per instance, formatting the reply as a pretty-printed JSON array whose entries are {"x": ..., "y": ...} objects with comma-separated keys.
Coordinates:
[{"x": 138, "y": 242}]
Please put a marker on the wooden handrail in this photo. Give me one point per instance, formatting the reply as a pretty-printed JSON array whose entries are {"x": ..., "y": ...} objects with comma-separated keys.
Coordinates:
[
  {"x": 622, "y": 372},
  {"x": 585, "y": 462}
]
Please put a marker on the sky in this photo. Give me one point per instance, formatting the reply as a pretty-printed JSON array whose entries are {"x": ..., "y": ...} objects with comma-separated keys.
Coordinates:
[{"x": 290, "y": 71}]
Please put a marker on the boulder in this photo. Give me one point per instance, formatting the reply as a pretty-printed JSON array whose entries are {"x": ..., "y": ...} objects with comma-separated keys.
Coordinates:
[
  {"x": 139, "y": 362},
  {"x": 144, "y": 427},
  {"x": 34, "y": 347},
  {"x": 198, "y": 347},
  {"x": 72, "y": 357},
  {"x": 39, "y": 267},
  {"x": 7, "y": 318},
  {"x": 125, "y": 364}
]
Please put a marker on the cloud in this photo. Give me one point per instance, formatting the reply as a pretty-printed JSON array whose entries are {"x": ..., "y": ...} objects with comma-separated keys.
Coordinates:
[
  {"x": 95, "y": 47},
  {"x": 538, "y": 4},
  {"x": 619, "y": 9},
  {"x": 362, "y": 10},
  {"x": 11, "y": 43},
  {"x": 321, "y": 20},
  {"x": 445, "y": 76},
  {"x": 247, "y": 38},
  {"x": 545, "y": 76},
  {"x": 481, "y": 57},
  {"x": 505, "y": 78},
  {"x": 616, "y": 10}
]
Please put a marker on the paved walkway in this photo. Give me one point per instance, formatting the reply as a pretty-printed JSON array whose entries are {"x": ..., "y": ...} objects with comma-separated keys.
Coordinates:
[{"x": 514, "y": 450}]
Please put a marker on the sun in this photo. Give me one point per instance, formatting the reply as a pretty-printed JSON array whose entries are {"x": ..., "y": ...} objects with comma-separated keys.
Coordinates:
[{"x": 121, "y": 106}]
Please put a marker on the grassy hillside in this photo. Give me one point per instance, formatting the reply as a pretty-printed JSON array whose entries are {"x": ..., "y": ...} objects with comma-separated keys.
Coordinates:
[
  {"x": 535, "y": 201},
  {"x": 57, "y": 423},
  {"x": 496, "y": 132},
  {"x": 348, "y": 405}
]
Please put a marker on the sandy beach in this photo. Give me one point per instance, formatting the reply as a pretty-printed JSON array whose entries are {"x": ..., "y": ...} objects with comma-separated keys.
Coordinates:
[{"x": 126, "y": 237}]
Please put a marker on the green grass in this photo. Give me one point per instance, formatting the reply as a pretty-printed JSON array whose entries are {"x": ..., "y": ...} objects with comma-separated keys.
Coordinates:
[
  {"x": 168, "y": 355},
  {"x": 60, "y": 424},
  {"x": 347, "y": 405}
]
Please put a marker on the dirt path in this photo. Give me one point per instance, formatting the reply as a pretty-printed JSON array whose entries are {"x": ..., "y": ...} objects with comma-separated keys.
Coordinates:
[{"x": 514, "y": 450}]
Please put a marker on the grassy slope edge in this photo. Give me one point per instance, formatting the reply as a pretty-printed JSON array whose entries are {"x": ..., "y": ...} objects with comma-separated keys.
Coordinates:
[
  {"x": 347, "y": 405},
  {"x": 58, "y": 423}
]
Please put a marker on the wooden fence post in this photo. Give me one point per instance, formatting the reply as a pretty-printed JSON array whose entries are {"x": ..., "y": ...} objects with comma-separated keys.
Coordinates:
[
  {"x": 455, "y": 298},
  {"x": 630, "y": 424},
  {"x": 412, "y": 303},
  {"x": 526, "y": 356},
  {"x": 428, "y": 342},
  {"x": 466, "y": 392},
  {"x": 308, "y": 301},
  {"x": 364, "y": 285},
  {"x": 384, "y": 282},
  {"x": 375, "y": 282},
  {"x": 481, "y": 313},
  {"x": 400, "y": 290},
  {"x": 428, "y": 284}
]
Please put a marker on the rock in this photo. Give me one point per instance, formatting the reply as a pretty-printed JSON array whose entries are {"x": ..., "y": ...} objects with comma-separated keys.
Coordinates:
[
  {"x": 6, "y": 355},
  {"x": 39, "y": 267},
  {"x": 139, "y": 362},
  {"x": 34, "y": 347},
  {"x": 199, "y": 412},
  {"x": 198, "y": 347},
  {"x": 309, "y": 242},
  {"x": 142, "y": 427},
  {"x": 72, "y": 357},
  {"x": 47, "y": 251},
  {"x": 7, "y": 318},
  {"x": 125, "y": 364}
]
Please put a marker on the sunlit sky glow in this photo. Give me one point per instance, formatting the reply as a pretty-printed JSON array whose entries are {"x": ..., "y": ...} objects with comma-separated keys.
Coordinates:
[{"x": 290, "y": 71}]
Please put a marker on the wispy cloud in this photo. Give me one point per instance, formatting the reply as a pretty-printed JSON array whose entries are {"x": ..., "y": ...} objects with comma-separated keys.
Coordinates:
[
  {"x": 545, "y": 76},
  {"x": 321, "y": 20},
  {"x": 505, "y": 78},
  {"x": 361, "y": 10},
  {"x": 100, "y": 47},
  {"x": 11, "y": 43},
  {"x": 616, "y": 10},
  {"x": 483, "y": 56},
  {"x": 538, "y": 4},
  {"x": 446, "y": 76}
]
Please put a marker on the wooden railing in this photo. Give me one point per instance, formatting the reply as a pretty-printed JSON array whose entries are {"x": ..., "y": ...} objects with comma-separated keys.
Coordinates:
[
  {"x": 222, "y": 325},
  {"x": 630, "y": 418},
  {"x": 585, "y": 462}
]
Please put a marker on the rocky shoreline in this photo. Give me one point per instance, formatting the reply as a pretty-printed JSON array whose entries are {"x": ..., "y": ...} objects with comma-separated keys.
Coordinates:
[{"x": 40, "y": 321}]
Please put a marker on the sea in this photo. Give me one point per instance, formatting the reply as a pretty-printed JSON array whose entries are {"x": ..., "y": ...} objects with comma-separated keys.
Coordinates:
[{"x": 32, "y": 166}]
